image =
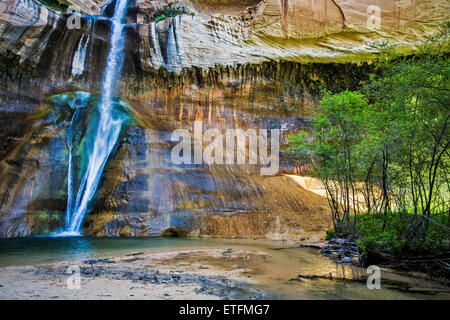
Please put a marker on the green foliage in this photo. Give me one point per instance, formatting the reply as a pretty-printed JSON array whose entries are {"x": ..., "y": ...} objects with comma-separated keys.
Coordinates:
[
  {"x": 335, "y": 142},
  {"x": 171, "y": 11},
  {"x": 398, "y": 235},
  {"x": 409, "y": 119},
  {"x": 55, "y": 5},
  {"x": 384, "y": 151},
  {"x": 313, "y": 80},
  {"x": 330, "y": 234}
]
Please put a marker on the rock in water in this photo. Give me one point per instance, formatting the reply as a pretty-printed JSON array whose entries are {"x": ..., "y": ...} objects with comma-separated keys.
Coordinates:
[
  {"x": 176, "y": 276},
  {"x": 345, "y": 260}
]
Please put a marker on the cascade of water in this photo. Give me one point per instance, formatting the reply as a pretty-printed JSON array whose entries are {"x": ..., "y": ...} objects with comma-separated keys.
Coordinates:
[
  {"x": 70, "y": 170},
  {"x": 108, "y": 129},
  {"x": 79, "y": 59}
]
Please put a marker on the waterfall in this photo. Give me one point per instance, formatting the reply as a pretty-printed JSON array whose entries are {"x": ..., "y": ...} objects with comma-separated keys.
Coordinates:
[
  {"x": 79, "y": 58},
  {"x": 107, "y": 134},
  {"x": 70, "y": 170}
]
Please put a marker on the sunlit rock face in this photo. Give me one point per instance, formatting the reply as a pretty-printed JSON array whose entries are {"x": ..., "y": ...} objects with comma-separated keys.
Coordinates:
[
  {"x": 230, "y": 64},
  {"x": 142, "y": 192},
  {"x": 209, "y": 33}
]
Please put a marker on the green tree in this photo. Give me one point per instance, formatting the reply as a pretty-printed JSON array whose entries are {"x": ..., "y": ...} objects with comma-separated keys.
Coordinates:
[
  {"x": 410, "y": 115},
  {"x": 389, "y": 143},
  {"x": 333, "y": 145}
]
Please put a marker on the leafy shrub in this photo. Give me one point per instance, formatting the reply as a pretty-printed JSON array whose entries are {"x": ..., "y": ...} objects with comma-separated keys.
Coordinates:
[
  {"x": 55, "y": 5},
  {"x": 330, "y": 234},
  {"x": 403, "y": 233},
  {"x": 171, "y": 11}
]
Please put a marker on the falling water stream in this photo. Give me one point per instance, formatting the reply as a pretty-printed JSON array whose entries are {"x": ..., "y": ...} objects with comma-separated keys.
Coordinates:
[{"x": 107, "y": 134}]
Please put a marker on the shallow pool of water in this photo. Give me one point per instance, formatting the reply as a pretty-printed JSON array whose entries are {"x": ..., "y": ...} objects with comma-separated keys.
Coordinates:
[
  {"x": 276, "y": 273},
  {"x": 42, "y": 250}
]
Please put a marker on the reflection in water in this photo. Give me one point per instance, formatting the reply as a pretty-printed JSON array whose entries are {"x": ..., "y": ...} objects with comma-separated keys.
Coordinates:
[
  {"x": 275, "y": 271},
  {"x": 44, "y": 249}
]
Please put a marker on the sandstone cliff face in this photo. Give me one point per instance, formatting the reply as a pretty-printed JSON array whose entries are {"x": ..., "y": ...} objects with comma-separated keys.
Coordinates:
[
  {"x": 139, "y": 197},
  {"x": 232, "y": 64},
  {"x": 210, "y": 33}
]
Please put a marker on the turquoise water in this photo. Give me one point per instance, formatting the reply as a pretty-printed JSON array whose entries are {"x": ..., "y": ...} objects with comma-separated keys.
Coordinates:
[{"x": 42, "y": 250}]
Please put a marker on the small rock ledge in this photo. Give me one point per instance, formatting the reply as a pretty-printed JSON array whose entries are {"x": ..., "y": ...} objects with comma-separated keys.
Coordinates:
[{"x": 343, "y": 250}]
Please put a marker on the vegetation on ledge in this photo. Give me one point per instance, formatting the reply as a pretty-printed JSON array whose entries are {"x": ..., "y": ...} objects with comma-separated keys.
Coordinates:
[
  {"x": 172, "y": 10},
  {"x": 55, "y": 5}
]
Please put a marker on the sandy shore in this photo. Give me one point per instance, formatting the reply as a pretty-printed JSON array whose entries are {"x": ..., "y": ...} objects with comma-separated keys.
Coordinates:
[
  {"x": 265, "y": 270},
  {"x": 194, "y": 274}
]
